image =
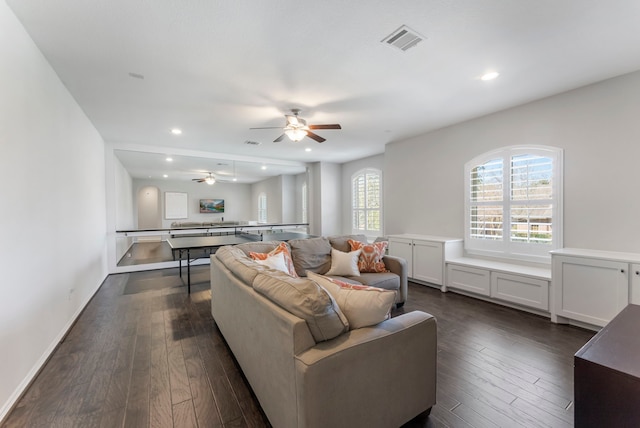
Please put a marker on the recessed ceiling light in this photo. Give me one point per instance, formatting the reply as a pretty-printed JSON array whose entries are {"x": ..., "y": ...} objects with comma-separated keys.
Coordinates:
[
  {"x": 165, "y": 175},
  {"x": 264, "y": 167},
  {"x": 234, "y": 179},
  {"x": 490, "y": 76},
  {"x": 308, "y": 149},
  {"x": 169, "y": 159},
  {"x": 176, "y": 131}
]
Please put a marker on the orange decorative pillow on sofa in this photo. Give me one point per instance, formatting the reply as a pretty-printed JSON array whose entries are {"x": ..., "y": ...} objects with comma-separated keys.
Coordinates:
[
  {"x": 281, "y": 248},
  {"x": 371, "y": 256}
]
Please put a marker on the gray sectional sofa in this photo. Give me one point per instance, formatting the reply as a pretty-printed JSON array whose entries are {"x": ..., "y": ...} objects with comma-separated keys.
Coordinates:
[{"x": 305, "y": 367}]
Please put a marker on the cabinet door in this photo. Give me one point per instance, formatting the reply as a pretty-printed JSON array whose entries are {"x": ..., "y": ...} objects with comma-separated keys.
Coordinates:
[
  {"x": 590, "y": 290},
  {"x": 403, "y": 248},
  {"x": 520, "y": 289},
  {"x": 427, "y": 261},
  {"x": 470, "y": 279},
  {"x": 634, "y": 295}
]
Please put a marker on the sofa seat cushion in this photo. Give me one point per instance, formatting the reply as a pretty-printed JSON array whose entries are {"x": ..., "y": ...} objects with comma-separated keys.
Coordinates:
[
  {"x": 305, "y": 299},
  {"x": 386, "y": 280},
  {"x": 311, "y": 255}
]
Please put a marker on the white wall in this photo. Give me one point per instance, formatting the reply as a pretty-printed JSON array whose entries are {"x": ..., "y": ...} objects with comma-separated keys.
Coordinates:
[
  {"x": 288, "y": 198},
  {"x": 123, "y": 206},
  {"x": 272, "y": 187},
  {"x": 236, "y": 199},
  {"x": 598, "y": 128},
  {"x": 348, "y": 169},
  {"x": 52, "y": 182},
  {"x": 331, "y": 196},
  {"x": 300, "y": 181}
]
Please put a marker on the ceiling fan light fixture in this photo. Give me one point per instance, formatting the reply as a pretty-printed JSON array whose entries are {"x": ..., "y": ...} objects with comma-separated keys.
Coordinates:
[
  {"x": 210, "y": 180},
  {"x": 489, "y": 76},
  {"x": 296, "y": 134}
]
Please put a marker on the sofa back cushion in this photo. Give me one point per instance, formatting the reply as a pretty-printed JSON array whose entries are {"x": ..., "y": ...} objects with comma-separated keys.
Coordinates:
[
  {"x": 362, "y": 305},
  {"x": 282, "y": 249},
  {"x": 341, "y": 243},
  {"x": 258, "y": 246},
  {"x": 239, "y": 263},
  {"x": 304, "y": 299},
  {"x": 311, "y": 255}
]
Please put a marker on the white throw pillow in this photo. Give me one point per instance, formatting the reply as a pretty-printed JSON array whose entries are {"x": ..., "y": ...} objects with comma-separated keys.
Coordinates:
[
  {"x": 344, "y": 264},
  {"x": 275, "y": 261},
  {"x": 362, "y": 305}
]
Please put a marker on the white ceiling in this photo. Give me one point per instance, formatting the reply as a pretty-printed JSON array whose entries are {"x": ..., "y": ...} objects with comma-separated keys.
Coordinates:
[
  {"x": 161, "y": 166},
  {"x": 217, "y": 68}
]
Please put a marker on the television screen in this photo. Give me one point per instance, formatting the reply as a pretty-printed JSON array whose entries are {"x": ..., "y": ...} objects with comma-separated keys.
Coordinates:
[{"x": 211, "y": 205}]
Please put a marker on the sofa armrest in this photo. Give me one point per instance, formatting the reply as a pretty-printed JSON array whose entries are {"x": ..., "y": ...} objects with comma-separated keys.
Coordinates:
[
  {"x": 391, "y": 365},
  {"x": 398, "y": 266}
]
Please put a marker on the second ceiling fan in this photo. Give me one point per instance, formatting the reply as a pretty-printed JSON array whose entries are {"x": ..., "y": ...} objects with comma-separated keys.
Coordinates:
[{"x": 296, "y": 128}]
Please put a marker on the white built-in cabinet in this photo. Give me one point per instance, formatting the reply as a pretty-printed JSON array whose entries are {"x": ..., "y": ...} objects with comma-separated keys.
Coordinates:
[
  {"x": 592, "y": 286},
  {"x": 425, "y": 255},
  {"x": 634, "y": 296},
  {"x": 585, "y": 287}
]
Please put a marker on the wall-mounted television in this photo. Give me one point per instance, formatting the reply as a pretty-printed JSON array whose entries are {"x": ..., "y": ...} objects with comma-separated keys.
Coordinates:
[{"x": 211, "y": 206}]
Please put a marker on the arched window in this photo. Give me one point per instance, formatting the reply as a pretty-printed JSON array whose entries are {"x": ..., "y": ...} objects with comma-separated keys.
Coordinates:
[
  {"x": 262, "y": 208},
  {"x": 513, "y": 202},
  {"x": 366, "y": 201},
  {"x": 305, "y": 217}
]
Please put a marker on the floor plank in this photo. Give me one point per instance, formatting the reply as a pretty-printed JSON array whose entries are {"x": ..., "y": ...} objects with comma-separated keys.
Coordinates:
[{"x": 153, "y": 356}]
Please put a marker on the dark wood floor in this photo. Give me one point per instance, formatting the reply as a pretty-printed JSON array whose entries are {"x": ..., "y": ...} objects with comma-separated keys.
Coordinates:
[{"x": 153, "y": 357}]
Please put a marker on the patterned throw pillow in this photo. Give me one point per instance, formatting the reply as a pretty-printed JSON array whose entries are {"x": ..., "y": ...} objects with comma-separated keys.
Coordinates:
[
  {"x": 371, "y": 256},
  {"x": 281, "y": 248}
]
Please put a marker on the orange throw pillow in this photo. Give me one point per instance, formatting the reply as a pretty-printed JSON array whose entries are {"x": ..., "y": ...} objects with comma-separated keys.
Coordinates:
[
  {"x": 371, "y": 256},
  {"x": 281, "y": 248}
]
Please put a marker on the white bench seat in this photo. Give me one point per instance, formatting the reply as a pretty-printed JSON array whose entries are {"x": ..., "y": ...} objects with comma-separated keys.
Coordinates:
[
  {"x": 533, "y": 272},
  {"x": 510, "y": 284}
]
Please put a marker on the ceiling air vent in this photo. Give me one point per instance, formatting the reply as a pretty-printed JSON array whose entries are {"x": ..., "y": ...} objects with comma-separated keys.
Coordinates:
[
  {"x": 403, "y": 38},
  {"x": 252, "y": 143}
]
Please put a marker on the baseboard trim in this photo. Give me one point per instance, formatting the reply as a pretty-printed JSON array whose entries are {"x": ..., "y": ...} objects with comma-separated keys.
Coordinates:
[{"x": 42, "y": 361}]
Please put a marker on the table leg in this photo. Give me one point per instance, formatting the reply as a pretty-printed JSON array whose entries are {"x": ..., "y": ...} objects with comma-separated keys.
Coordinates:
[
  {"x": 188, "y": 271},
  {"x": 180, "y": 262}
]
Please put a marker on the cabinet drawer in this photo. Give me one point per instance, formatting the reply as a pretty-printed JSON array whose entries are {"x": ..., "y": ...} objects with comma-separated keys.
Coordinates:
[
  {"x": 520, "y": 289},
  {"x": 470, "y": 279}
]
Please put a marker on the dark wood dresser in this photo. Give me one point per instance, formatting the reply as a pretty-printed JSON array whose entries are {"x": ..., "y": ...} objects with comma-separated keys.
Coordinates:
[{"x": 607, "y": 374}]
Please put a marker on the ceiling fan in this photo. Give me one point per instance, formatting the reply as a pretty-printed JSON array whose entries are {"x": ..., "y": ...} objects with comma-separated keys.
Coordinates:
[
  {"x": 209, "y": 179},
  {"x": 296, "y": 128}
]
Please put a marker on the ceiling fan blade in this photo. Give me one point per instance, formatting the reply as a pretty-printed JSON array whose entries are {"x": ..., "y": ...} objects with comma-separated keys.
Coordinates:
[
  {"x": 332, "y": 126},
  {"x": 316, "y": 137},
  {"x": 277, "y": 140},
  {"x": 199, "y": 180}
]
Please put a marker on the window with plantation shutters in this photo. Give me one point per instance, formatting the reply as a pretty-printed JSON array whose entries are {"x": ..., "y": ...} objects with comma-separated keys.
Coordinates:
[
  {"x": 513, "y": 203},
  {"x": 366, "y": 197}
]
